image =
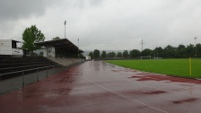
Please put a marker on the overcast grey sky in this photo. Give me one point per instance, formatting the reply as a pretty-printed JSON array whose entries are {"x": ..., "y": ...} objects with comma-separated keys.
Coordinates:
[{"x": 106, "y": 24}]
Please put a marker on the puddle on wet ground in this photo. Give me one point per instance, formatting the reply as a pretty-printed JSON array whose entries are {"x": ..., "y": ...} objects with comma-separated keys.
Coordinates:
[
  {"x": 152, "y": 92},
  {"x": 153, "y": 77},
  {"x": 125, "y": 70},
  {"x": 189, "y": 100}
]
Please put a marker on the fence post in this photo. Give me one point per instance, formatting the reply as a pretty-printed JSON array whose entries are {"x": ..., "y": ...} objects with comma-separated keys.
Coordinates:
[
  {"x": 53, "y": 72},
  {"x": 58, "y": 68},
  {"x": 37, "y": 75},
  {"x": 47, "y": 71},
  {"x": 22, "y": 78}
]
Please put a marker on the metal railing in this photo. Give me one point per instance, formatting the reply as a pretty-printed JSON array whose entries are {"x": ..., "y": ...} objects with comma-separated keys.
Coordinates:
[
  {"x": 26, "y": 77},
  {"x": 29, "y": 76}
]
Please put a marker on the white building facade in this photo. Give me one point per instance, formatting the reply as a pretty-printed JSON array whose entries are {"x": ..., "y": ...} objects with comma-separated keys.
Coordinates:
[{"x": 9, "y": 47}]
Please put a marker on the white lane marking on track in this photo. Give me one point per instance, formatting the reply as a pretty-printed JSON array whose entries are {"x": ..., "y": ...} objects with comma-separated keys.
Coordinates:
[{"x": 125, "y": 96}]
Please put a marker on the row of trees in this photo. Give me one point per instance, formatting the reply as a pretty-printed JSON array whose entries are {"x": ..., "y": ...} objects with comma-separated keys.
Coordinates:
[
  {"x": 32, "y": 35},
  {"x": 169, "y": 51}
]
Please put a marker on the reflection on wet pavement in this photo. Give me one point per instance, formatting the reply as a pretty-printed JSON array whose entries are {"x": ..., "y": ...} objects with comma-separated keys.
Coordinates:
[{"x": 98, "y": 87}]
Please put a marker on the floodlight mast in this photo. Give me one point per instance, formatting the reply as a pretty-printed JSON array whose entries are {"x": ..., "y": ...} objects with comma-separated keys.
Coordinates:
[
  {"x": 78, "y": 43},
  {"x": 65, "y": 28},
  {"x": 142, "y": 44},
  {"x": 195, "y": 46}
]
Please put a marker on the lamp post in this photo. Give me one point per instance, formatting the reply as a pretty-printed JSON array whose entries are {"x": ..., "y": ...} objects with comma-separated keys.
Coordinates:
[
  {"x": 195, "y": 46},
  {"x": 142, "y": 43},
  {"x": 65, "y": 29}
]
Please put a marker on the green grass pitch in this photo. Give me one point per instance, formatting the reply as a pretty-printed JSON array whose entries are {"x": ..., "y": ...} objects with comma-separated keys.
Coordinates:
[{"x": 173, "y": 67}]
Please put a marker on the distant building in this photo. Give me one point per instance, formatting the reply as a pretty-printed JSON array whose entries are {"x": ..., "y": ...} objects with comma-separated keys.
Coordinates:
[
  {"x": 9, "y": 47},
  {"x": 88, "y": 58}
]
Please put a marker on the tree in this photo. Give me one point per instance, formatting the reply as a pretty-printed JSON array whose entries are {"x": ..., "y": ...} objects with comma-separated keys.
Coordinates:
[
  {"x": 181, "y": 47},
  {"x": 91, "y": 54},
  {"x": 56, "y": 38},
  {"x": 103, "y": 55},
  {"x": 198, "y": 50},
  {"x": 134, "y": 53},
  {"x": 119, "y": 55},
  {"x": 96, "y": 53},
  {"x": 111, "y": 54},
  {"x": 30, "y": 36},
  {"x": 169, "y": 51},
  {"x": 82, "y": 56},
  {"x": 125, "y": 54},
  {"x": 190, "y": 50},
  {"x": 158, "y": 52},
  {"x": 181, "y": 51},
  {"x": 146, "y": 52}
]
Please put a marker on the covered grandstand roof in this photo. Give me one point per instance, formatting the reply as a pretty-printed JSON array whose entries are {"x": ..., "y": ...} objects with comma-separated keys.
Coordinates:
[
  {"x": 61, "y": 44},
  {"x": 9, "y": 39}
]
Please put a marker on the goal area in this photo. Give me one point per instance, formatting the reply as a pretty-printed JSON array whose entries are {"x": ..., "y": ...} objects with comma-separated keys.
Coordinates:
[{"x": 145, "y": 57}]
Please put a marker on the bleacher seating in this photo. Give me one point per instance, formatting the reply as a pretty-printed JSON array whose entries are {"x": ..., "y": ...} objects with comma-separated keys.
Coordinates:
[
  {"x": 13, "y": 66},
  {"x": 65, "y": 61}
]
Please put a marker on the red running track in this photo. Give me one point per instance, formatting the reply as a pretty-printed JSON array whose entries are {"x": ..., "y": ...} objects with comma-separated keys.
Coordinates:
[{"x": 98, "y": 87}]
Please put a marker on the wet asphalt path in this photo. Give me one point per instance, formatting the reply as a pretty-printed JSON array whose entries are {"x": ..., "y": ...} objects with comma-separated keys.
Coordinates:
[{"x": 98, "y": 87}]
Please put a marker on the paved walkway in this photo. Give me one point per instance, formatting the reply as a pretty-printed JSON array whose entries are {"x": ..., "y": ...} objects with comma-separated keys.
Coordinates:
[{"x": 97, "y": 87}]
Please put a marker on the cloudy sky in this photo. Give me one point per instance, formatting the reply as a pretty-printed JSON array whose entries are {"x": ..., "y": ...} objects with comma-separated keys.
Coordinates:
[{"x": 106, "y": 24}]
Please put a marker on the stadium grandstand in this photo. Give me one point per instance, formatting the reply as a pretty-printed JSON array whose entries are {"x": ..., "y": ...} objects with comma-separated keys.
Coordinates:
[
  {"x": 61, "y": 51},
  {"x": 53, "y": 54}
]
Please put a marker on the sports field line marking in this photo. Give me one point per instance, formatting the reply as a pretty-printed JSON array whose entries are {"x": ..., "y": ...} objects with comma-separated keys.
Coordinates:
[{"x": 121, "y": 95}]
